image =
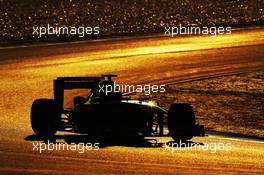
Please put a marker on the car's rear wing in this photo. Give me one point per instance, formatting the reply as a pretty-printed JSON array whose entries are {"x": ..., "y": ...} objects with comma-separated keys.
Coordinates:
[{"x": 63, "y": 83}]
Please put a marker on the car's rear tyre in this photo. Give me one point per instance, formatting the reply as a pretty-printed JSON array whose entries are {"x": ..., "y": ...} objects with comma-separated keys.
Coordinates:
[
  {"x": 44, "y": 117},
  {"x": 181, "y": 119}
]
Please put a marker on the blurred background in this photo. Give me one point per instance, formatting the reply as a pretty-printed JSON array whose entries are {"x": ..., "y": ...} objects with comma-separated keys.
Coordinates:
[{"x": 126, "y": 17}]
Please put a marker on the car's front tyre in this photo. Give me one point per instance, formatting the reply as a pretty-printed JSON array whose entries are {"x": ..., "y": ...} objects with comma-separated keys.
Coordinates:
[{"x": 181, "y": 120}]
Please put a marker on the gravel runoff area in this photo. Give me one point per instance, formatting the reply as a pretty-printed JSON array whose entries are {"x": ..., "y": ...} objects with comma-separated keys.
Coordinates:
[{"x": 232, "y": 104}]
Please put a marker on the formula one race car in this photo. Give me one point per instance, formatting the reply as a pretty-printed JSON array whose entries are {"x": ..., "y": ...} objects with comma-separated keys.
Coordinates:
[{"x": 112, "y": 114}]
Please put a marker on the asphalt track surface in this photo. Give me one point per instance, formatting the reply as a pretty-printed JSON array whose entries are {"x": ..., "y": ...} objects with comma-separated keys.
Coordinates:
[{"x": 27, "y": 73}]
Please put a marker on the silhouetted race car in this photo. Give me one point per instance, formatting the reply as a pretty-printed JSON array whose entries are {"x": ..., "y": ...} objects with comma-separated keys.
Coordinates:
[{"x": 113, "y": 114}]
